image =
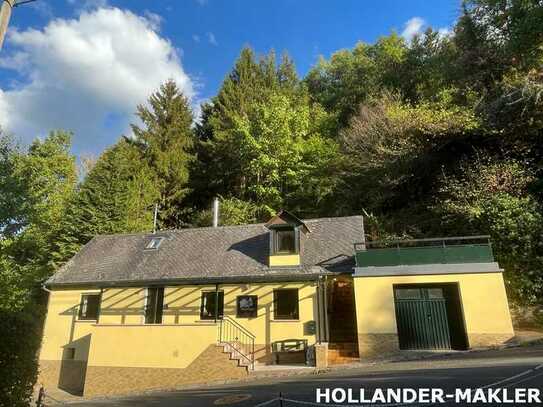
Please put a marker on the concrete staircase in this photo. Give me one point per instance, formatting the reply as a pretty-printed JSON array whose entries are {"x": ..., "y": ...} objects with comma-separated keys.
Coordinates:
[
  {"x": 235, "y": 353},
  {"x": 342, "y": 352}
]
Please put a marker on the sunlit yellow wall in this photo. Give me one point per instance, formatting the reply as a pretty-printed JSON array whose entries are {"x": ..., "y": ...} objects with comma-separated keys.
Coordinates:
[
  {"x": 158, "y": 346},
  {"x": 483, "y": 296},
  {"x": 122, "y": 306},
  {"x": 122, "y": 339},
  {"x": 183, "y": 306},
  {"x": 285, "y": 260},
  {"x": 62, "y": 329}
]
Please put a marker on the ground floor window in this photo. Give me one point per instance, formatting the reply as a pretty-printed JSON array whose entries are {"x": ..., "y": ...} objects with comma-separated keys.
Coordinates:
[
  {"x": 89, "y": 307},
  {"x": 154, "y": 305},
  {"x": 212, "y": 301},
  {"x": 285, "y": 304}
]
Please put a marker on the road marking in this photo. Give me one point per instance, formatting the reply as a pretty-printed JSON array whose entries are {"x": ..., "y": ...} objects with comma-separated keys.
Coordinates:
[
  {"x": 508, "y": 379},
  {"x": 232, "y": 399},
  {"x": 265, "y": 403},
  {"x": 513, "y": 377}
]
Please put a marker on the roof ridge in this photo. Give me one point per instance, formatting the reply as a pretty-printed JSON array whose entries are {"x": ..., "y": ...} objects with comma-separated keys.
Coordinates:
[{"x": 184, "y": 230}]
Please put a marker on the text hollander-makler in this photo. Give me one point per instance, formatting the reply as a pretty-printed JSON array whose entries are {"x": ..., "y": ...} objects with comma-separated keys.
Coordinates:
[{"x": 428, "y": 395}]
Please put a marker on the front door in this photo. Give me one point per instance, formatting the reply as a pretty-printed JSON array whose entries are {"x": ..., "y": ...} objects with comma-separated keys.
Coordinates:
[
  {"x": 341, "y": 310},
  {"x": 421, "y": 317}
]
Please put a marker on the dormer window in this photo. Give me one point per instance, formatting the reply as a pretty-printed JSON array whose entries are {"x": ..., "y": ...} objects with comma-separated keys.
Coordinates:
[
  {"x": 154, "y": 243},
  {"x": 285, "y": 240},
  {"x": 285, "y": 246}
]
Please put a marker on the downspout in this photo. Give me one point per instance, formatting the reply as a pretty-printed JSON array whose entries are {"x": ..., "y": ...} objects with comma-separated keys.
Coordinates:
[
  {"x": 326, "y": 328},
  {"x": 216, "y": 302},
  {"x": 319, "y": 309}
]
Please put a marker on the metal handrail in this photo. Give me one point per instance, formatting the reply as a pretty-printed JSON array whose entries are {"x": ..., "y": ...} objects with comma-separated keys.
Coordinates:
[
  {"x": 238, "y": 338},
  {"x": 441, "y": 240}
]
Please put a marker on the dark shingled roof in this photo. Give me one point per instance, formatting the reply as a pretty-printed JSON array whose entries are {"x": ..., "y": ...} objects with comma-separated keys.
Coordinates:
[{"x": 209, "y": 254}]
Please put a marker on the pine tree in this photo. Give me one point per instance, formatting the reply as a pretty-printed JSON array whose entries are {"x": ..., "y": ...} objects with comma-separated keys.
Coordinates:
[
  {"x": 220, "y": 168},
  {"x": 117, "y": 196},
  {"x": 166, "y": 142}
]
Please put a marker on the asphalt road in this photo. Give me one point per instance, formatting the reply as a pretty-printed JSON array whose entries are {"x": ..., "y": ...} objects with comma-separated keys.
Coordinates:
[{"x": 511, "y": 368}]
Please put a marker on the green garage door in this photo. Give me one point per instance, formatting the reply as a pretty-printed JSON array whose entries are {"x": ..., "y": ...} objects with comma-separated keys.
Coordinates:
[{"x": 421, "y": 317}]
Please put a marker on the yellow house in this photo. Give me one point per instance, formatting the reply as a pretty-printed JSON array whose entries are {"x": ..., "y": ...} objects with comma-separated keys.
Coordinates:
[{"x": 140, "y": 311}]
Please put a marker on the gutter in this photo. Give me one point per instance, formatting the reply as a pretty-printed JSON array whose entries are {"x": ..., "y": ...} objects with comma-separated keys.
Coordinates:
[
  {"x": 44, "y": 288},
  {"x": 192, "y": 281}
]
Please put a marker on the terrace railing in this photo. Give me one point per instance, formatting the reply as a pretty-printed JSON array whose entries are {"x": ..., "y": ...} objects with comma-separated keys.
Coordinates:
[{"x": 445, "y": 250}]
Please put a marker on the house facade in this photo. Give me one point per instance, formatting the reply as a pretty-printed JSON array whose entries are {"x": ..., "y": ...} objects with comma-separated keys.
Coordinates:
[{"x": 141, "y": 311}]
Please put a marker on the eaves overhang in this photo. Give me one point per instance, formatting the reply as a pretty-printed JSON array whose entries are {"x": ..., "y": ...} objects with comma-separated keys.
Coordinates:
[{"x": 194, "y": 281}]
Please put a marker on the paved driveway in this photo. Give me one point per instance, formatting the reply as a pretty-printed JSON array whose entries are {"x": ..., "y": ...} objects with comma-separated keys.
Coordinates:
[{"x": 511, "y": 368}]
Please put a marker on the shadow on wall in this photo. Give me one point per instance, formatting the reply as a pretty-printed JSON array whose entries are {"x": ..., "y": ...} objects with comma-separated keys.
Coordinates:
[{"x": 73, "y": 366}]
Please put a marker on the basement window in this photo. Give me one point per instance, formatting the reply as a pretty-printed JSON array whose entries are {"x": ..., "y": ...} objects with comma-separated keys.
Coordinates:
[
  {"x": 89, "y": 307},
  {"x": 154, "y": 243}
]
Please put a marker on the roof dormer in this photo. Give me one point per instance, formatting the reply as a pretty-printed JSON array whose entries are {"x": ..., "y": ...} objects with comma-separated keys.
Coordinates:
[{"x": 285, "y": 247}]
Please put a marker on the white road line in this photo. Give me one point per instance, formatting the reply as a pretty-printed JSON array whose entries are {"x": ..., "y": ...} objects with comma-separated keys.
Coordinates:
[
  {"x": 512, "y": 377},
  {"x": 265, "y": 403},
  {"x": 524, "y": 380},
  {"x": 508, "y": 379}
]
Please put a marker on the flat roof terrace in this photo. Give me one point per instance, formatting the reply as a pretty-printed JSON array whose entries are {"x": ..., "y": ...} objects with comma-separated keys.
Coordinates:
[{"x": 443, "y": 250}]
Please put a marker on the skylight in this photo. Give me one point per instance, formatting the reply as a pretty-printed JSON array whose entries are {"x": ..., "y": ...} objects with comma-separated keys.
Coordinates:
[{"x": 154, "y": 243}]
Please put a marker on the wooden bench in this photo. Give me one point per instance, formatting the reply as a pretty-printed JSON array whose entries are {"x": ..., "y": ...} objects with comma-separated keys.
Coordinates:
[{"x": 290, "y": 351}]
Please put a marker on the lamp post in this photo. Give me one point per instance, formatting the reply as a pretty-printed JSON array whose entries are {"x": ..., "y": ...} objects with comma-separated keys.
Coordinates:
[{"x": 5, "y": 14}]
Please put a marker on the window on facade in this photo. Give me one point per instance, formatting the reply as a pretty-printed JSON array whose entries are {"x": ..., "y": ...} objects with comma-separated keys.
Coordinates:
[
  {"x": 247, "y": 306},
  {"x": 408, "y": 293},
  {"x": 285, "y": 241},
  {"x": 285, "y": 304},
  {"x": 89, "y": 307},
  {"x": 154, "y": 243},
  {"x": 210, "y": 304},
  {"x": 154, "y": 305}
]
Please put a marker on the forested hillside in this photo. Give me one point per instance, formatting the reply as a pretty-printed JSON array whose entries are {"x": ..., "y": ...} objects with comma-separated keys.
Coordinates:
[{"x": 441, "y": 136}]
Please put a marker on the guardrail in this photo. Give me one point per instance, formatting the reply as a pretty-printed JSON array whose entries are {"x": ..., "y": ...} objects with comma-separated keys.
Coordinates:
[
  {"x": 444, "y": 250},
  {"x": 240, "y": 341}
]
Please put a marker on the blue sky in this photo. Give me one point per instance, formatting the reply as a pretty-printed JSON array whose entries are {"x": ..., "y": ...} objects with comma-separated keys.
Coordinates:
[{"x": 83, "y": 65}]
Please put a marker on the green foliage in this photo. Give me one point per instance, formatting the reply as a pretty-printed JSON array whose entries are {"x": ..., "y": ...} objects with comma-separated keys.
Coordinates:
[
  {"x": 354, "y": 77},
  {"x": 490, "y": 196},
  {"x": 166, "y": 143},
  {"x": 21, "y": 337},
  {"x": 395, "y": 128},
  {"x": 393, "y": 148},
  {"x": 117, "y": 196},
  {"x": 37, "y": 184},
  {"x": 263, "y": 141},
  {"x": 281, "y": 156},
  {"x": 232, "y": 211}
]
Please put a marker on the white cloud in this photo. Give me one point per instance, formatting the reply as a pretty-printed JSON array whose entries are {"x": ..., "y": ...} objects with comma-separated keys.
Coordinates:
[
  {"x": 154, "y": 19},
  {"x": 444, "y": 31},
  {"x": 87, "y": 75},
  {"x": 195, "y": 38},
  {"x": 412, "y": 27},
  {"x": 88, "y": 4},
  {"x": 211, "y": 39},
  {"x": 201, "y": 2}
]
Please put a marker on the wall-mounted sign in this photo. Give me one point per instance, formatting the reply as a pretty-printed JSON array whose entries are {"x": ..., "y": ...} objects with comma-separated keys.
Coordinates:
[{"x": 247, "y": 306}]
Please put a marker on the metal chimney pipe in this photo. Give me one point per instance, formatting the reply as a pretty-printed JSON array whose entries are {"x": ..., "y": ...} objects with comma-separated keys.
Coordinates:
[{"x": 215, "y": 211}]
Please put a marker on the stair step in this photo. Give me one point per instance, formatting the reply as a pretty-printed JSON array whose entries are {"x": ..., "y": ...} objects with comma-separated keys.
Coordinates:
[{"x": 235, "y": 355}]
